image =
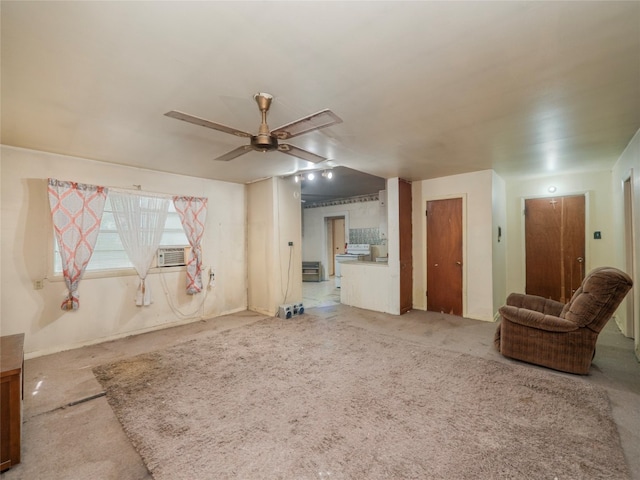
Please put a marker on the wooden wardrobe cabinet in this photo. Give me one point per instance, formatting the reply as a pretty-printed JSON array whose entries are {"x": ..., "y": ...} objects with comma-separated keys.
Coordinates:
[{"x": 11, "y": 395}]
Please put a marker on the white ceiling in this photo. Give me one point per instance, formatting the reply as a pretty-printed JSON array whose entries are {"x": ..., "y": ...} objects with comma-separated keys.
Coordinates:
[{"x": 425, "y": 89}]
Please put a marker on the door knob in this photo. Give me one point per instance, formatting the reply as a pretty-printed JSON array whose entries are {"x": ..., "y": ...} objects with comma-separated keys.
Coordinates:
[
  {"x": 458, "y": 263},
  {"x": 580, "y": 261},
  {"x": 435, "y": 264}
]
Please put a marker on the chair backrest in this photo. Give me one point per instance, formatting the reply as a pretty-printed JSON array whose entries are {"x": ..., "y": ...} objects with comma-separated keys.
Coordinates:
[{"x": 593, "y": 304}]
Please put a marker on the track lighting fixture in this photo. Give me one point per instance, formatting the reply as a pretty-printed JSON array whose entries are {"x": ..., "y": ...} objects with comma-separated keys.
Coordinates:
[{"x": 310, "y": 175}]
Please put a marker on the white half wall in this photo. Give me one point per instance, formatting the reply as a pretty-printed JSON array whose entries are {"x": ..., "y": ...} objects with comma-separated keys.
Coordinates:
[
  {"x": 376, "y": 286},
  {"x": 107, "y": 308}
]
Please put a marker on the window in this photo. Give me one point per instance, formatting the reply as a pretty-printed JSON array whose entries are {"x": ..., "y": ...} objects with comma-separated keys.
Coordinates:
[{"x": 109, "y": 254}]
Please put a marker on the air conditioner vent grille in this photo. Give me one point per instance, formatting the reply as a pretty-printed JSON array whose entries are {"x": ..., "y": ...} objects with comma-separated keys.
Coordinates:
[{"x": 171, "y": 256}]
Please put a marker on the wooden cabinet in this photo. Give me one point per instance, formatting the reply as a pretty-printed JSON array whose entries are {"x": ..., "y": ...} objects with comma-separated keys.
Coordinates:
[
  {"x": 11, "y": 395},
  {"x": 311, "y": 272}
]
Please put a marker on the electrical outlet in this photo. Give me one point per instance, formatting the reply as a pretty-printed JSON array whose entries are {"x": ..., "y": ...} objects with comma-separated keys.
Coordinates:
[{"x": 38, "y": 284}]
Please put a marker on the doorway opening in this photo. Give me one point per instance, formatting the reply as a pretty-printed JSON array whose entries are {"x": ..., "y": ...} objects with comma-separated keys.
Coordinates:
[
  {"x": 631, "y": 327},
  {"x": 325, "y": 292}
]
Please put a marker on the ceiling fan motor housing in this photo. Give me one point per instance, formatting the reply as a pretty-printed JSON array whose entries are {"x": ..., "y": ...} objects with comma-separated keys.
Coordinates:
[{"x": 264, "y": 142}]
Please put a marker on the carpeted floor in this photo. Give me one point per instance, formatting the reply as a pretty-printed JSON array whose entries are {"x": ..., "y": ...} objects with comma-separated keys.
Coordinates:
[{"x": 316, "y": 398}]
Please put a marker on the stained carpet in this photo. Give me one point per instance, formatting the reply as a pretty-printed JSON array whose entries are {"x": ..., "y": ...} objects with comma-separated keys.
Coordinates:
[{"x": 311, "y": 398}]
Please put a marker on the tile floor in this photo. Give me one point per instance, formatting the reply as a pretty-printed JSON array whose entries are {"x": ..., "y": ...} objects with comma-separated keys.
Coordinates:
[{"x": 320, "y": 294}]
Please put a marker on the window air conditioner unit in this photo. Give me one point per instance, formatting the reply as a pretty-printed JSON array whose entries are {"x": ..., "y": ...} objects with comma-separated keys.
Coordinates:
[{"x": 172, "y": 256}]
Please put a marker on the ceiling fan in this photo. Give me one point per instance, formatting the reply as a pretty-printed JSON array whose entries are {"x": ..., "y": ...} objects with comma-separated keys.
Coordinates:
[{"x": 266, "y": 140}]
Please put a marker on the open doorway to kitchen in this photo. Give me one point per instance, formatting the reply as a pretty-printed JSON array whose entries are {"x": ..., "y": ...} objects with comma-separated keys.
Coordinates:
[
  {"x": 327, "y": 204},
  {"x": 325, "y": 292}
]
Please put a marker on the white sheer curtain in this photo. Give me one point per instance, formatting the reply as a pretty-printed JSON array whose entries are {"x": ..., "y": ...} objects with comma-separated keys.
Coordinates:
[
  {"x": 140, "y": 220},
  {"x": 76, "y": 211},
  {"x": 193, "y": 214}
]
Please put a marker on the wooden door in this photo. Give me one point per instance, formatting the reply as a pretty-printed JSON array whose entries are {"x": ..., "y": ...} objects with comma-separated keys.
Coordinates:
[
  {"x": 554, "y": 246},
  {"x": 338, "y": 235},
  {"x": 337, "y": 240},
  {"x": 444, "y": 256},
  {"x": 406, "y": 253}
]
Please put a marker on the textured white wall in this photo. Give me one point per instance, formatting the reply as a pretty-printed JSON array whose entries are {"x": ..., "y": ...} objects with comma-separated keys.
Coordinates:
[
  {"x": 628, "y": 165},
  {"x": 260, "y": 245},
  {"x": 599, "y": 209},
  {"x": 477, "y": 191},
  {"x": 274, "y": 268},
  {"x": 289, "y": 259},
  {"x": 107, "y": 309},
  {"x": 499, "y": 245}
]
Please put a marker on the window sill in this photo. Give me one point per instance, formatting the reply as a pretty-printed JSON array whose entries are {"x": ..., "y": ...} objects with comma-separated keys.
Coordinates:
[{"x": 125, "y": 272}]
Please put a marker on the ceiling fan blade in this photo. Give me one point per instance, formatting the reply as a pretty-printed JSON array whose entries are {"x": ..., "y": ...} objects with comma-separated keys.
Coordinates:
[
  {"x": 322, "y": 119},
  {"x": 300, "y": 153},
  {"x": 206, "y": 123},
  {"x": 234, "y": 153}
]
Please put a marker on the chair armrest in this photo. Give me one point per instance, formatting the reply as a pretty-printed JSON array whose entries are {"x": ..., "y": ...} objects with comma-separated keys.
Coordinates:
[
  {"x": 533, "y": 319},
  {"x": 534, "y": 302}
]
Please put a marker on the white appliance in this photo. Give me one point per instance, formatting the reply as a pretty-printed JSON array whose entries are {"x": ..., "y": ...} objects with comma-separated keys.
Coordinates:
[
  {"x": 172, "y": 256},
  {"x": 359, "y": 252}
]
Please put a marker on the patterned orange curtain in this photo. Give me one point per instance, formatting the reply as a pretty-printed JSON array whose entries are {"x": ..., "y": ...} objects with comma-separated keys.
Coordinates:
[
  {"x": 193, "y": 212},
  {"x": 76, "y": 210}
]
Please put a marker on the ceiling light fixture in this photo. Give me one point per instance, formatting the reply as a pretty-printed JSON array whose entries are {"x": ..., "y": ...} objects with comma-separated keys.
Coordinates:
[
  {"x": 327, "y": 174},
  {"x": 552, "y": 189},
  {"x": 311, "y": 176}
]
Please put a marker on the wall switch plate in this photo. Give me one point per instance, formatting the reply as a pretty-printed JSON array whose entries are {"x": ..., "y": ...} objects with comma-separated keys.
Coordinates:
[
  {"x": 38, "y": 284},
  {"x": 291, "y": 244},
  {"x": 597, "y": 235}
]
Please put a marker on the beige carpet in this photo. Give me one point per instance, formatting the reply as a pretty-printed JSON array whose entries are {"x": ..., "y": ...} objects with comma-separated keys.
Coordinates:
[{"x": 310, "y": 398}]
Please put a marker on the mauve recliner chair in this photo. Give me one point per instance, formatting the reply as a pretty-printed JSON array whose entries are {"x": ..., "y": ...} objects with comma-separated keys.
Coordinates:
[{"x": 563, "y": 337}]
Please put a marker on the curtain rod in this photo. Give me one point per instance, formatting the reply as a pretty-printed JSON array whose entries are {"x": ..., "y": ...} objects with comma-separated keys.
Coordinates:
[
  {"x": 136, "y": 188},
  {"x": 139, "y": 190}
]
